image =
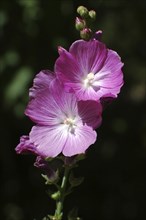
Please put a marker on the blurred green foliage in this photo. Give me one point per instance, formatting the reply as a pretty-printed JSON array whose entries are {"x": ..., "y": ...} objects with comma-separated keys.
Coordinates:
[{"x": 115, "y": 177}]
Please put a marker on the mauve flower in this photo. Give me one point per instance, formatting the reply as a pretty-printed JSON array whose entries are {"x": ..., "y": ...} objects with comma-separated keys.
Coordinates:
[
  {"x": 90, "y": 70},
  {"x": 63, "y": 124}
]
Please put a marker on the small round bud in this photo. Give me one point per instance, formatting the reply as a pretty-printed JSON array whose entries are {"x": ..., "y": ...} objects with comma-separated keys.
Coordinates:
[
  {"x": 92, "y": 14},
  {"x": 85, "y": 33},
  {"x": 80, "y": 24},
  {"x": 82, "y": 11}
]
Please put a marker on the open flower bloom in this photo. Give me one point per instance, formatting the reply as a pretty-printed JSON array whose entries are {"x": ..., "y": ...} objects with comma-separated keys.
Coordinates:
[
  {"x": 90, "y": 70},
  {"x": 63, "y": 124}
]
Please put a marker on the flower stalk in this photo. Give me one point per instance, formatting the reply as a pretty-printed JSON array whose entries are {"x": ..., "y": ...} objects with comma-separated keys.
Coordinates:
[
  {"x": 62, "y": 193},
  {"x": 64, "y": 187}
]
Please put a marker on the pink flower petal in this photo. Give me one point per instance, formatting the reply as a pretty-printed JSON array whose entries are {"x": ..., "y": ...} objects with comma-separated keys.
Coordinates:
[
  {"x": 90, "y": 55},
  {"x": 52, "y": 105},
  {"x": 79, "y": 142},
  {"x": 110, "y": 77},
  {"x": 86, "y": 93},
  {"x": 49, "y": 141},
  {"x": 43, "y": 110},
  {"x": 90, "y": 112},
  {"x": 67, "y": 68},
  {"x": 42, "y": 81}
]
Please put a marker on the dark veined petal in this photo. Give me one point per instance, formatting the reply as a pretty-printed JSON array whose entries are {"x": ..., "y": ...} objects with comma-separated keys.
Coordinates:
[{"x": 90, "y": 111}]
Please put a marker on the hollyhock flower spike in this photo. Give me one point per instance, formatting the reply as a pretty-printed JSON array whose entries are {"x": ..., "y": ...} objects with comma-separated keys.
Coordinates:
[
  {"x": 64, "y": 125},
  {"x": 92, "y": 70},
  {"x": 66, "y": 107}
]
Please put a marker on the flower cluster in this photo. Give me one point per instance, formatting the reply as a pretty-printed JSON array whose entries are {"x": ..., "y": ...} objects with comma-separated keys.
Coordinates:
[{"x": 66, "y": 105}]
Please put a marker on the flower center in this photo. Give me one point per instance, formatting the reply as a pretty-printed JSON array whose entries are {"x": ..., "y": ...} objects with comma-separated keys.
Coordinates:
[
  {"x": 88, "y": 80},
  {"x": 70, "y": 122}
]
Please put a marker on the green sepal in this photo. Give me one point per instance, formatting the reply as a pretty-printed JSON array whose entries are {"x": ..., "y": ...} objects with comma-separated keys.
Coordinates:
[
  {"x": 53, "y": 179},
  {"x": 46, "y": 178},
  {"x": 55, "y": 195}
]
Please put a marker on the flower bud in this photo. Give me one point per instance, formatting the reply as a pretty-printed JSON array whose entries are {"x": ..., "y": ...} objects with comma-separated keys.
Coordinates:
[
  {"x": 80, "y": 24},
  {"x": 85, "y": 33},
  {"x": 92, "y": 14},
  {"x": 82, "y": 11}
]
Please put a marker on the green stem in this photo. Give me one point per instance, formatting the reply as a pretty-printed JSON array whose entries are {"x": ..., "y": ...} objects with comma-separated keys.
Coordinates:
[{"x": 59, "y": 203}]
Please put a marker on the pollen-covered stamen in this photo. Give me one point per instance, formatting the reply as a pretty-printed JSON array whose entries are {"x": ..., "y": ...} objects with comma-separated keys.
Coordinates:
[
  {"x": 71, "y": 124},
  {"x": 88, "y": 81}
]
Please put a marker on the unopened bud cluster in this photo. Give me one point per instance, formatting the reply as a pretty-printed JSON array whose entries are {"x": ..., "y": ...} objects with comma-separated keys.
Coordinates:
[{"x": 83, "y": 24}]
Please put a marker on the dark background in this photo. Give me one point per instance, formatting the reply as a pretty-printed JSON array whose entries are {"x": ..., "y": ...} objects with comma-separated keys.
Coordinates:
[{"x": 115, "y": 167}]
